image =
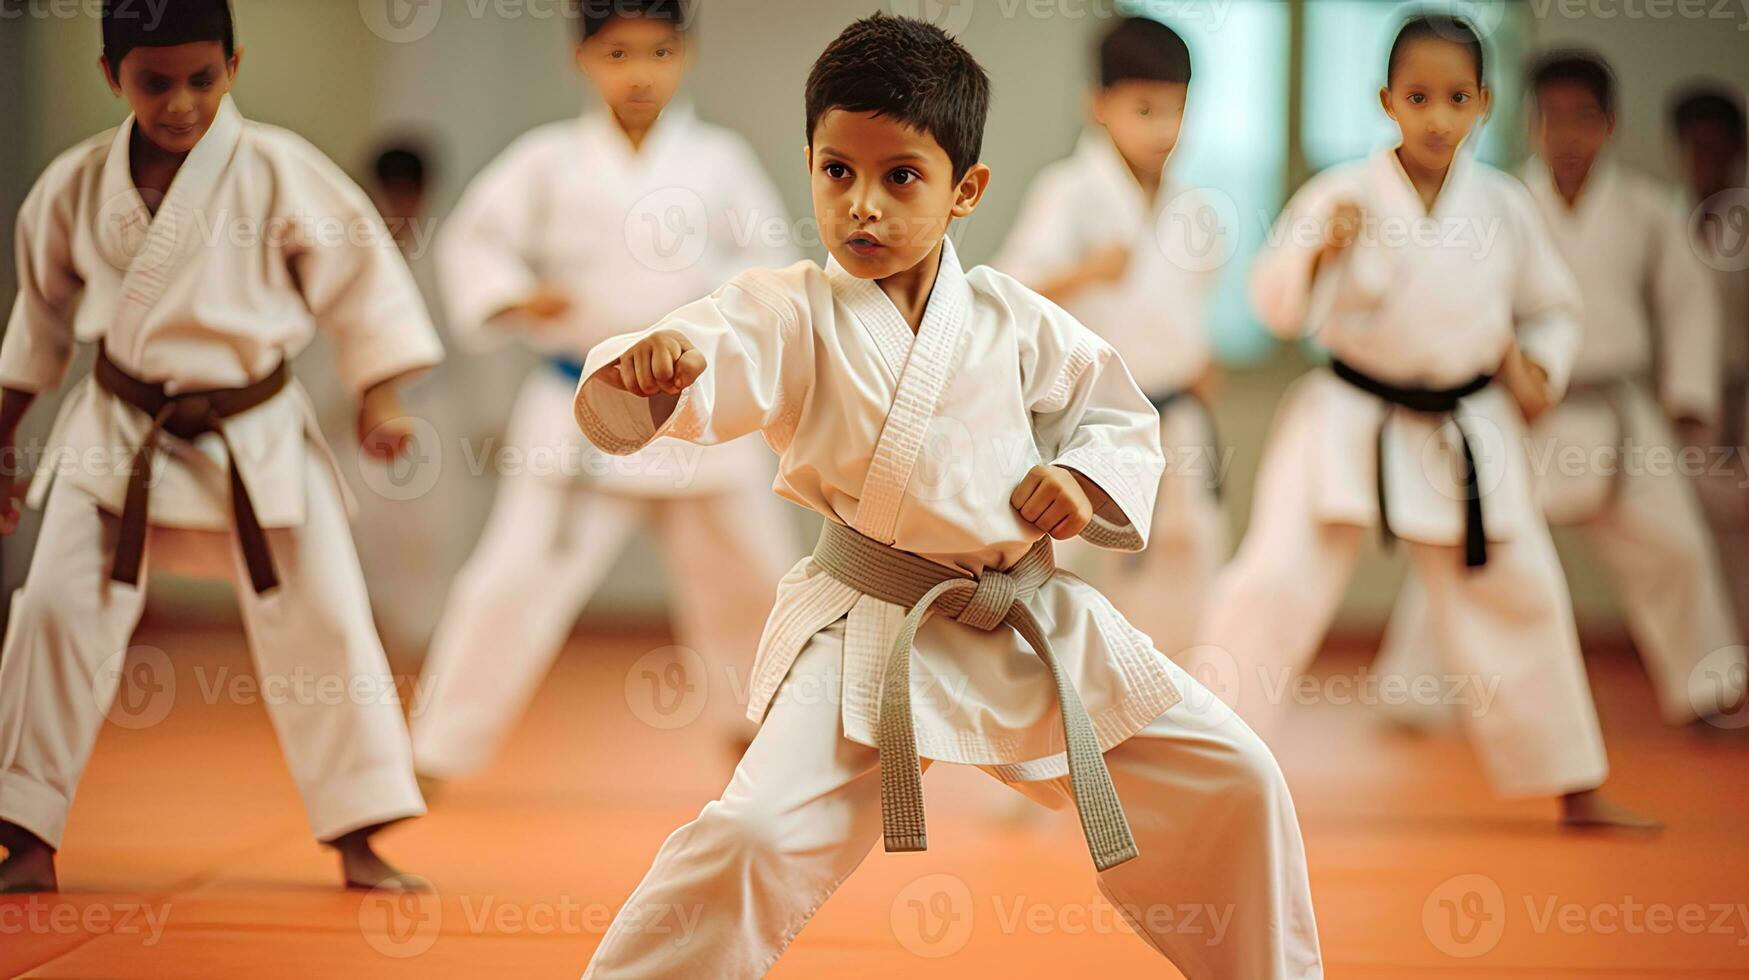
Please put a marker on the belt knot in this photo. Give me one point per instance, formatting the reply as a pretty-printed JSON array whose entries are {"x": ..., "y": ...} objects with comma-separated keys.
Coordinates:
[{"x": 988, "y": 607}]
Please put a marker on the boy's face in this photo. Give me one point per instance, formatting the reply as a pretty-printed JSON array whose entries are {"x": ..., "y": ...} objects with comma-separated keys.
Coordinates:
[
  {"x": 1712, "y": 159},
  {"x": 1435, "y": 98},
  {"x": 636, "y": 63},
  {"x": 883, "y": 192},
  {"x": 174, "y": 91},
  {"x": 1569, "y": 128},
  {"x": 1143, "y": 119}
]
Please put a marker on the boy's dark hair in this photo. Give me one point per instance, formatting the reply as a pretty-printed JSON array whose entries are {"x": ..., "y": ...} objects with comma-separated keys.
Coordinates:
[
  {"x": 1143, "y": 50},
  {"x": 402, "y": 162},
  {"x": 1708, "y": 102},
  {"x": 1576, "y": 66},
  {"x": 909, "y": 71},
  {"x": 1436, "y": 27},
  {"x": 130, "y": 24},
  {"x": 593, "y": 15}
]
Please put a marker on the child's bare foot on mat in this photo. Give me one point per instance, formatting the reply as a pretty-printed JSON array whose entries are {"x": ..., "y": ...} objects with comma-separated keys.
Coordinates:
[
  {"x": 430, "y": 787},
  {"x": 29, "y": 864},
  {"x": 364, "y": 868},
  {"x": 1590, "y": 809}
]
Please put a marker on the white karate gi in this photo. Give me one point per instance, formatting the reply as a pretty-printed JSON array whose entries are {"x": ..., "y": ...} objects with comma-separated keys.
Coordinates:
[
  {"x": 1627, "y": 244},
  {"x": 1156, "y": 318},
  {"x": 630, "y": 236},
  {"x": 919, "y": 441},
  {"x": 1431, "y": 303},
  {"x": 260, "y": 242}
]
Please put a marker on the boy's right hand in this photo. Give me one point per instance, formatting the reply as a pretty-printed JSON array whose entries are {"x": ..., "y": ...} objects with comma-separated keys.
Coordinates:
[
  {"x": 544, "y": 305},
  {"x": 665, "y": 362},
  {"x": 1344, "y": 227}
]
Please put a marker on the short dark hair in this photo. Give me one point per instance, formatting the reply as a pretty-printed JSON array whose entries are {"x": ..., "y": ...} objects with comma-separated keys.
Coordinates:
[
  {"x": 1436, "y": 27},
  {"x": 130, "y": 24},
  {"x": 1140, "y": 49},
  {"x": 594, "y": 15},
  {"x": 1576, "y": 66},
  {"x": 909, "y": 71},
  {"x": 1708, "y": 102},
  {"x": 403, "y": 161}
]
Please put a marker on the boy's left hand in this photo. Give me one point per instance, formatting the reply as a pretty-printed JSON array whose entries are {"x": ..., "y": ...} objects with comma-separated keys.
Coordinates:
[
  {"x": 385, "y": 432},
  {"x": 1056, "y": 500}
]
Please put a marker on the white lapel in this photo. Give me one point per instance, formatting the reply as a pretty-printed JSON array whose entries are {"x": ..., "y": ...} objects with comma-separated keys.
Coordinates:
[
  {"x": 931, "y": 358},
  {"x": 1102, "y": 158},
  {"x": 174, "y": 233},
  {"x": 607, "y": 149}
]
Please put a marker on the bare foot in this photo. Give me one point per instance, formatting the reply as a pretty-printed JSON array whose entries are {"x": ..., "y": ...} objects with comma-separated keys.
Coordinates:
[
  {"x": 1590, "y": 809},
  {"x": 29, "y": 864},
  {"x": 364, "y": 868}
]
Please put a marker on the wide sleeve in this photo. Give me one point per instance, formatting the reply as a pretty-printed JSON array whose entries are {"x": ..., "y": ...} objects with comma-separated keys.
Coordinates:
[
  {"x": 1088, "y": 415},
  {"x": 38, "y": 347},
  {"x": 1287, "y": 298},
  {"x": 356, "y": 284},
  {"x": 1545, "y": 297},
  {"x": 482, "y": 252},
  {"x": 757, "y": 342},
  {"x": 1689, "y": 316},
  {"x": 1042, "y": 242}
]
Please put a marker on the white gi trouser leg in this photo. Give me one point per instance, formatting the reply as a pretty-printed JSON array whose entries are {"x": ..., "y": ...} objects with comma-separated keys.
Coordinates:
[
  {"x": 725, "y": 554},
  {"x": 546, "y": 548},
  {"x": 71, "y": 627},
  {"x": 729, "y": 891},
  {"x": 1509, "y": 624},
  {"x": 1655, "y": 546}
]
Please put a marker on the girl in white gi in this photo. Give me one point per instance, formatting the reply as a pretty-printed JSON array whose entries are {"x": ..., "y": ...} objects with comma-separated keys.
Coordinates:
[
  {"x": 582, "y": 230},
  {"x": 1091, "y": 237},
  {"x": 1606, "y": 458},
  {"x": 200, "y": 252},
  {"x": 948, "y": 425},
  {"x": 1451, "y": 281}
]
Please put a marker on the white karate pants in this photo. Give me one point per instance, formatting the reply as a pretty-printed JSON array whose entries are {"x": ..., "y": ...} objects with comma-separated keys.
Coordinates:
[
  {"x": 1655, "y": 546},
  {"x": 546, "y": 548},
  {"x": 311, "y": 637},
  {"x": 1207, "y": 805},
  {"x": 1507, "y": 627}
]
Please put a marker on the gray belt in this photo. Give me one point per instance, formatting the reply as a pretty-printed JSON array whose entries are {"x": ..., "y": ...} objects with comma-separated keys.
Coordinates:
[
  {"x": 1613, "y": 393},
  {"x": 988, "y": 601}
]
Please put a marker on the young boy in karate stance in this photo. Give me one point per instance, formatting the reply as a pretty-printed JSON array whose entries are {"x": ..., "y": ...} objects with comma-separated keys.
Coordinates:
[
  {"x": 580, "y": 231},
  {"x": 1089, "y": 237},
  {"x": 1405, "y": 432},
  {"x": 190, "y": 246},
  {"x": 1626, "y": 240},
  {"x": 850, "y": 372}
]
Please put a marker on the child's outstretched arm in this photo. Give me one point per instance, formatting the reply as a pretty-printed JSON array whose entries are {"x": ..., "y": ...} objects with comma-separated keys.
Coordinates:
[{"x": 737, "y": 361}]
